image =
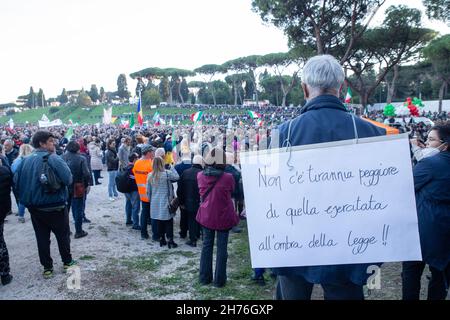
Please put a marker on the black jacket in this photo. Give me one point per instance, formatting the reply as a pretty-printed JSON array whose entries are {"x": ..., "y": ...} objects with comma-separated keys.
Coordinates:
[
  {"x": 187, "y": 191},
  {"x": 112, "y": 160},
  {"x": 78, "y": 167},
  {"x": 6, "y": 182},
  {"x": 238, "y": 193},
  {"x": 12, "y": 155}
]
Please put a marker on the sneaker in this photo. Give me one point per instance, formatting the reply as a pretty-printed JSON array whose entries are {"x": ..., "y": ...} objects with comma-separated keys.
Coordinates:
[
  {"x": 21, "y": 220},
  {"x": 80, "y": 235},
  {"x": 86, "y": 220},
  {"x": 111, "y": 199},
  {"x": 48, "y": 273},
  {"x": 17, "y": 214},
  {"x": 6, "y": 279},
  {"x": 144, "y": 237},
  {"x": 128, "y": 224},
  {"x": 67, "y": 266},
  {"x": 136, "y": 228}
]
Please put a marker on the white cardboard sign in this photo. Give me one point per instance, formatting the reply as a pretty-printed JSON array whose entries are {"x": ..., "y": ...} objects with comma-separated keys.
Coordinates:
[{"x": 332, "y": 203}]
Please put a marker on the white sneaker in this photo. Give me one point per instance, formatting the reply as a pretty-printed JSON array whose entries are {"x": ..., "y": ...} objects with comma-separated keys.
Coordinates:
[{"x": 111, "y": 199}]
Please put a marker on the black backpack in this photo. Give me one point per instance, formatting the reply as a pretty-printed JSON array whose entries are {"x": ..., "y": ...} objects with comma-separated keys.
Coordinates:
[
  {"x": 124, "y": 183},
  {"x": 49, "y": 180}
]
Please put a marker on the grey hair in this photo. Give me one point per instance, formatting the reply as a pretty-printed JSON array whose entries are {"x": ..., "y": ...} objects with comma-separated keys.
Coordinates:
[{"x": 323, "y": 72}]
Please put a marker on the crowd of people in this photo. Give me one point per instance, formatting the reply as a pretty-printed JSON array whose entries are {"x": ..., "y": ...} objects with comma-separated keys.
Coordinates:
[{"x": 195, "y": 169}]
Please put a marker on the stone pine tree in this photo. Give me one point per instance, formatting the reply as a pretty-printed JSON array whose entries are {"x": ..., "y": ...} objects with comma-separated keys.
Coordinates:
[
  {"x": 122, "y": 88},
  {"x": 41, "y": 98},
  {"x": 63, "y": 98},
  {"x": 438, "y": 9},
  {"x": 31, "y": 99},
  {"x": 438, "y": 52},
  {"x": 184, "y": 90},
  {"x": 102, "y": 94}
]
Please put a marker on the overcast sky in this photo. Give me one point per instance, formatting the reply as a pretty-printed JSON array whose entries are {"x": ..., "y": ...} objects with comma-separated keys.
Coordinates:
[{"x": 55, "y": 44}]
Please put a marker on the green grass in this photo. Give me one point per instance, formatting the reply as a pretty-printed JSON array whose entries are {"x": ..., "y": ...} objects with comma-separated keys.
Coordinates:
[
  {"x": 239, "y": 270},
  {"x": 94, "y": 114}
]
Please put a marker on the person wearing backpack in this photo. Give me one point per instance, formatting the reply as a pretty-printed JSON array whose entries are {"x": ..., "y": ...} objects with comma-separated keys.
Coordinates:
[
  {"x": 126, "y": 183},
  {"x": 41, "y": 181}
]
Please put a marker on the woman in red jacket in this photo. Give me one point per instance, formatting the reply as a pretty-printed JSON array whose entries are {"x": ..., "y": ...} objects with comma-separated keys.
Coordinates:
[{"x": 216, "y": 215}]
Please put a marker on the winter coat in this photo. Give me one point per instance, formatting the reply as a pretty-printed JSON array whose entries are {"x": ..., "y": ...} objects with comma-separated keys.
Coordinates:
[
  {"x": 112, "y": 160},
  {"x": 432, "y": 186},
  {"x": 6, "y": 181},
  {"x": 124, "y": 152},
  {"x": 325, "y": 119},
  {"x": 96, "y": 156},
  {"x": 28, "y": 186},
  {"x": 12, "y": 155},
  {"x": 79, "y": 168},
  {"x": 187, "y": 191},
  {"x": 159, "y": 192},
  {"x": 216, "y": 212}
]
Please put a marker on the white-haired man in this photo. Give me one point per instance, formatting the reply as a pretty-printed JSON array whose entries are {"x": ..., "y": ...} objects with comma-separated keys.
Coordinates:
[{"x": 323, "y": 119}]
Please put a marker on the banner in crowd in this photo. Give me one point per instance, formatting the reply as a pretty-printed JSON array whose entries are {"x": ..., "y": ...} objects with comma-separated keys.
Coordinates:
[
  {"x": 331, "y": 203},
  {"x": 45, "y": 122}
]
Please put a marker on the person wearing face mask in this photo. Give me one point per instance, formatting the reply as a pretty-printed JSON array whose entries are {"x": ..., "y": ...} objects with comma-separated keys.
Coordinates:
[
  {"x": 432, "y": 147},
  {"x": 431, "y": 184}
]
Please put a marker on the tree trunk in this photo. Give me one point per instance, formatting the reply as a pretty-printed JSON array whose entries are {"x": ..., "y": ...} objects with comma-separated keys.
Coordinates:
[
  {"x": 441, "y": 95},
  {"x": 364, "y": 96},
  {"x": 391, "y": 87},
  {"x": 213, "y": 93},
  {"x": 318, "y": 40},
  {"x": 283, "y": 103},
  {"x": 170, "y": 94},
  {"x": 235, "y": 94}
]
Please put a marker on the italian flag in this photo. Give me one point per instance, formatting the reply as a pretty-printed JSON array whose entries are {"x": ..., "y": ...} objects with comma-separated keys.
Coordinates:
[
  {"x": 196, "y": 116},
  {"x": 253, "y": 114},
  {"x": 348, "y": 97}
]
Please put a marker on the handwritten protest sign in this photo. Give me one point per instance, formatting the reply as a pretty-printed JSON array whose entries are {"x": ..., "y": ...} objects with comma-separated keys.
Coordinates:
[{"x": 334, "y": 203}]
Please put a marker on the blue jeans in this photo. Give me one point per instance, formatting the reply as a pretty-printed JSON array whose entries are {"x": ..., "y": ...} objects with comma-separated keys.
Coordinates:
[
  {"x": 112, "y": 190},
  {"x": 297, "y": 288},
  {"x": 411, "y": 277},
  {"x": 21, "y": 210},
  {"x": 77, "y": 212},
  {"x": 145, "y": 216},
  {"x": 132, "y": 207},
  {"x": 220, "y": 274},
  {"x": 259, "y": 272}
]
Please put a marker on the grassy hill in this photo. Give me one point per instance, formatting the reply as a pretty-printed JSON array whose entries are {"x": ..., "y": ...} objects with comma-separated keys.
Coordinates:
[{"x": 94, "y": 114}]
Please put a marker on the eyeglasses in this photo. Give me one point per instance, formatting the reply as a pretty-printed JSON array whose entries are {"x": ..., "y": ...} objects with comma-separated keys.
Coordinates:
[{"x": 433, "y": 139}]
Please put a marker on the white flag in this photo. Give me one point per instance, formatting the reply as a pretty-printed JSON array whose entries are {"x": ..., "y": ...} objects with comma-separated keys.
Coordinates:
[
  {"x": 11, "y": 123},
  {"x": 44, "y": 118},
  {"x": 107, "y": 116}
]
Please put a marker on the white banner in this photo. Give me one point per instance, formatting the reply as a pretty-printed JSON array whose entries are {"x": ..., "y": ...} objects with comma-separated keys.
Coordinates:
[
  {"x": 46, "y": 124},
  {"x": 331, "y": 203}
]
